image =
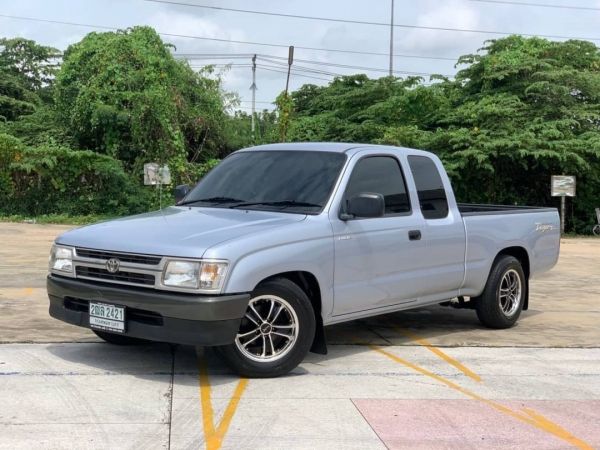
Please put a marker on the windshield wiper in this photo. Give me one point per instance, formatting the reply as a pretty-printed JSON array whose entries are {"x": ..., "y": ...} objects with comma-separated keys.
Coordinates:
[
  {"x": 282, "y": 203},
  {"x": 212, "y": 200}
]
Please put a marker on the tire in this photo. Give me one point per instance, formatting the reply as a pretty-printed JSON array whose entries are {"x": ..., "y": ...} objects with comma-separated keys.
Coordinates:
[
  {"x": 118, "y": 339},
  {"x": 596, "y": 230},
  {"x": 277, "y": 308},
  {"x": 501, "y": 303}
]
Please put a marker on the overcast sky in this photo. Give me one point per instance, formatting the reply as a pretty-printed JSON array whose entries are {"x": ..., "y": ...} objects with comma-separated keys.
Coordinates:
[{"x": 305, "y": 33}]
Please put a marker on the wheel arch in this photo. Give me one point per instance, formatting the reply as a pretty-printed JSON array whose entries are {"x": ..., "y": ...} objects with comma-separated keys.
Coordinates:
[{"x": 310, "y": 285}]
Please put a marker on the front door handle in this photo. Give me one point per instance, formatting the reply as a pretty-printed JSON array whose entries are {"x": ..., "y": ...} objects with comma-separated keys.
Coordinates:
[{"x": 414, "y": 235}]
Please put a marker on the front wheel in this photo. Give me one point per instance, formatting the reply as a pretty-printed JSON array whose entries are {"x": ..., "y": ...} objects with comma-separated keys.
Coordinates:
[
  {"x": 501, "y": 302},
  {"x": 596, "y": 230},
  {"x": 275, "y": 334}
]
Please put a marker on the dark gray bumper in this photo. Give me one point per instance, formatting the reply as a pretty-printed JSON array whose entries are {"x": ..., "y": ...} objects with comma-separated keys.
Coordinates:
[{"x": 150, "y": 314}]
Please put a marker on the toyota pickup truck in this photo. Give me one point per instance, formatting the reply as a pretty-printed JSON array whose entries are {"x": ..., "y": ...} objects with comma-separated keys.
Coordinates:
[{"x": 279, "y": 241}]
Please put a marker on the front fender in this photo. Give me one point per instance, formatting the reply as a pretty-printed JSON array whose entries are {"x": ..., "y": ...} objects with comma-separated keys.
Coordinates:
[{"x": 314, "y": 256}]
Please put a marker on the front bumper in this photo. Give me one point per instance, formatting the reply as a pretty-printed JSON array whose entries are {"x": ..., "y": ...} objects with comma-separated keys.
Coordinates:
[{"x": 154, "y": 315}]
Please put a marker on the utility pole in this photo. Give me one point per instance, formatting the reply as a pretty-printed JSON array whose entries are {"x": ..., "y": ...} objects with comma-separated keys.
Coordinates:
[
  {"x": 290, "y": 62},
  {"x": 392, "y": 41},
  {"x": 253, "y": 89}
]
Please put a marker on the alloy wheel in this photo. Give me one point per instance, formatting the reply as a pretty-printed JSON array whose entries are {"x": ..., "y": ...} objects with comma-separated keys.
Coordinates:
[{"x": 269, "y": 329}]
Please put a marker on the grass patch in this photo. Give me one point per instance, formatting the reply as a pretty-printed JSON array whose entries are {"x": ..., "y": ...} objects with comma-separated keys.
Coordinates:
[{"x": 63, "y": 219}]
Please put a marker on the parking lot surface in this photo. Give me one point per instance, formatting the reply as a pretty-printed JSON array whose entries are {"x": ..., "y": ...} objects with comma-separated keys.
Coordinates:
[{"x": 430, "y": 378}]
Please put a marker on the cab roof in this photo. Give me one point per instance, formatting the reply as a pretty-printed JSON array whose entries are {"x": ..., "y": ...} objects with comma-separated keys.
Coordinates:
[{"x": 335, "y": 147}]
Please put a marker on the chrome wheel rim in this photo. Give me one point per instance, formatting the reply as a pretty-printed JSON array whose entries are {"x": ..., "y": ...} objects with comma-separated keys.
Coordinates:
[
  {"x": 509, "y": 293},
  {"x": 269, "y": 329}
]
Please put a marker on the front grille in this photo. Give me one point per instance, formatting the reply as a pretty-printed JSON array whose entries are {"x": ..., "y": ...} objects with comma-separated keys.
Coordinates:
[
  {"x": 119, "y": 277},
  {"x": 123, "y": 257}
]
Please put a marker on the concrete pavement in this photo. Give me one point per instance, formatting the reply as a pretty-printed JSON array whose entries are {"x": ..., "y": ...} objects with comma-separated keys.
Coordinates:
[
  {"x": 98, "y": 396},
  {"x": 431, "y": 378}
]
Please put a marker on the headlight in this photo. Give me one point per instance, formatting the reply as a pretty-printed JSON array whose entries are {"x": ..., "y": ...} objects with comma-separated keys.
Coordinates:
[
  {"x": 199, "y": 275},
  {"x": 61, "y": 259}
]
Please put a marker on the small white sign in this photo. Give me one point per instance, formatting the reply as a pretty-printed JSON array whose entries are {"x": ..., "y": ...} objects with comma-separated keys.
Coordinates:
[
  {"x": 563, "y": 186},
  {"x": 154, "y": 174}
]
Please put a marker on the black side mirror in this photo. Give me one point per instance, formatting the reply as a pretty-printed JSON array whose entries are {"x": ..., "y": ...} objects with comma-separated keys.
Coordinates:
[
  {"x": 180, "y": 192},
  {"x": 364, "y": 205}
]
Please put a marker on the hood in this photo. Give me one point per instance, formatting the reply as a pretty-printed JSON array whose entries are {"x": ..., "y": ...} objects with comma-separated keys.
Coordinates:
[{"x": 175, "y": 231}]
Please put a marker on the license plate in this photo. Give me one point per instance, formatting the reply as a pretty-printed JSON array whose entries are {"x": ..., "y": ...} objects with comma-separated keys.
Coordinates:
[{"x": 107, "y": 317}]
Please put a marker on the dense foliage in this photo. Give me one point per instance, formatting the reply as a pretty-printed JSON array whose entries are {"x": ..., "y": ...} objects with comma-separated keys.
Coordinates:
[
  {"x": 523, "y": 110},
  {"x": 74, "y": 135},
  {"x": 47, "y": 179},
  {"x": 120, "y": 96},
  {"x": 123, "y": 94},
  {"x": 26, "y": 68}
]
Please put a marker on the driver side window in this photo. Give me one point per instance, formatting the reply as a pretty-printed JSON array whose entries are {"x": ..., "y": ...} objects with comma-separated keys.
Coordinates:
[{"x": 380, "y": 175}]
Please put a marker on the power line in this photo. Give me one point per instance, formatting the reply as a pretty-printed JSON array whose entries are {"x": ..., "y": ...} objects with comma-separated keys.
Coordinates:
[
  {"x": 363, "y": 22},
  {"x": 542, "y": 5},
  {"x": 272, "y": 59},
  {"x": 301, "y": 68},
  {"x": 212, "y": 56},
  {"x": 228, "y": 41},
  {"x": 249, "y": 55},
  {"x": 348, "y": 66},
  {"x": 294, "y": 73},
  {"x": 271, "y": 69},
  {"x": 297, "y": 68}
]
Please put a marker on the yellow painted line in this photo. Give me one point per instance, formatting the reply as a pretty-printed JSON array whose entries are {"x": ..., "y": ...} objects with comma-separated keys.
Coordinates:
[
  {"x": 214, "y": 437},
  {"x": 527, "y": 416},
  {"x": 439, "y": 353},
  {"x": 28, "y": 291}
]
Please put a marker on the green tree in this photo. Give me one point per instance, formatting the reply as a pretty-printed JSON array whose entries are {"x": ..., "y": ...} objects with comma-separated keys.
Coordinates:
[
  {"x": 26, "y": 69},
  {"x": 238, "y": 130},
  {"x": 123, "y": 94},
  {"x": 518, "y": 111}
]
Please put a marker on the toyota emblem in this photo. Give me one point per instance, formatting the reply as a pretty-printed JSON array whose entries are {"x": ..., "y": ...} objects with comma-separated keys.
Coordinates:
[{"x": 112, "y": 265}]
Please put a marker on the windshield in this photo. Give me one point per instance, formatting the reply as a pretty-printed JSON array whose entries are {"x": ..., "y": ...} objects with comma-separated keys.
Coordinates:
[{"x": 288, "y": 181}]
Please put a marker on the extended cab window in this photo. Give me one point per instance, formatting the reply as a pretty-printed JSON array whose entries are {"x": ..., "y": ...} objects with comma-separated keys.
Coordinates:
[
  {"x": 432, "y": 195},
  {"x": 381, "y": 175}
]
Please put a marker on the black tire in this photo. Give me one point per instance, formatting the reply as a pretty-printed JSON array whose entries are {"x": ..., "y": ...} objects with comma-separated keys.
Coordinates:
[
  {"x": 492, "y": 310},
  {"x": 292, "y": 354},
  {"x": 118, "y": 339},
  {"x": 596, "y": 230}
]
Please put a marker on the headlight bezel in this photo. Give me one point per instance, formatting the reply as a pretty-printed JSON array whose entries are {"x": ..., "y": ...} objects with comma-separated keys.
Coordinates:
[
  {"x": 52, "y": 259},
  {"x": 224, "y": 265}
]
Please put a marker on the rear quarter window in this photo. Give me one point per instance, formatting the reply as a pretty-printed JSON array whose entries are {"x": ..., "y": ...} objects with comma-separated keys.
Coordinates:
[{"x": 430, "y": 189}]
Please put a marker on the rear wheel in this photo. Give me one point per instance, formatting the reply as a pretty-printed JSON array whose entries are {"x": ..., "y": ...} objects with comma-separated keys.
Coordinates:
[
  {"x": 596, "y": 230},
  {"x": 275, "y": 334},
  {"x": 118, "y": 339},
  {"x": 501, "y": 302}
]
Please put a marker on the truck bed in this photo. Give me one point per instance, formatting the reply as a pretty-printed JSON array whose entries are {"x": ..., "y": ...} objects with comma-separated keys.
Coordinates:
[{"x": 476, "y": 209}]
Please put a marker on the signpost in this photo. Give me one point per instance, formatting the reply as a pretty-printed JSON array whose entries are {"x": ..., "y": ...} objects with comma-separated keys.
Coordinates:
[
  {"x": 562, "y": 186},
  {"x": 157, "y": 175}
]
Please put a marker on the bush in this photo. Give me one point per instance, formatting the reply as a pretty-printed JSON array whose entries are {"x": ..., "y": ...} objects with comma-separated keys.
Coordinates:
[
  {"x": 49, "y": 179},
  {"x": 10, "y": 150}
]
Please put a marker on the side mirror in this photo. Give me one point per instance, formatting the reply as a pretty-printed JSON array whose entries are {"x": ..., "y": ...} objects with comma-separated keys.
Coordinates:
[
  {"x": 364, "y": 205},
  {"x": 180, "y": 192}
]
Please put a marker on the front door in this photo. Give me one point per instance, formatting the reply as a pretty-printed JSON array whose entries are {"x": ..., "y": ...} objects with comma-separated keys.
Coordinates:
[{"x": 378, "y": 261}]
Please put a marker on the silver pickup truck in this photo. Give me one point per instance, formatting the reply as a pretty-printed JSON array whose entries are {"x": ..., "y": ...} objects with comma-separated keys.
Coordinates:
[{"x": 279, "y": 241}]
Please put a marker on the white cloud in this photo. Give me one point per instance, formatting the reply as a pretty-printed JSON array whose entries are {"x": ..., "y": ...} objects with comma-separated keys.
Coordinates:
[
  {"x": 447, "y": 14},
  {"x": 195, "y": 25}
]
